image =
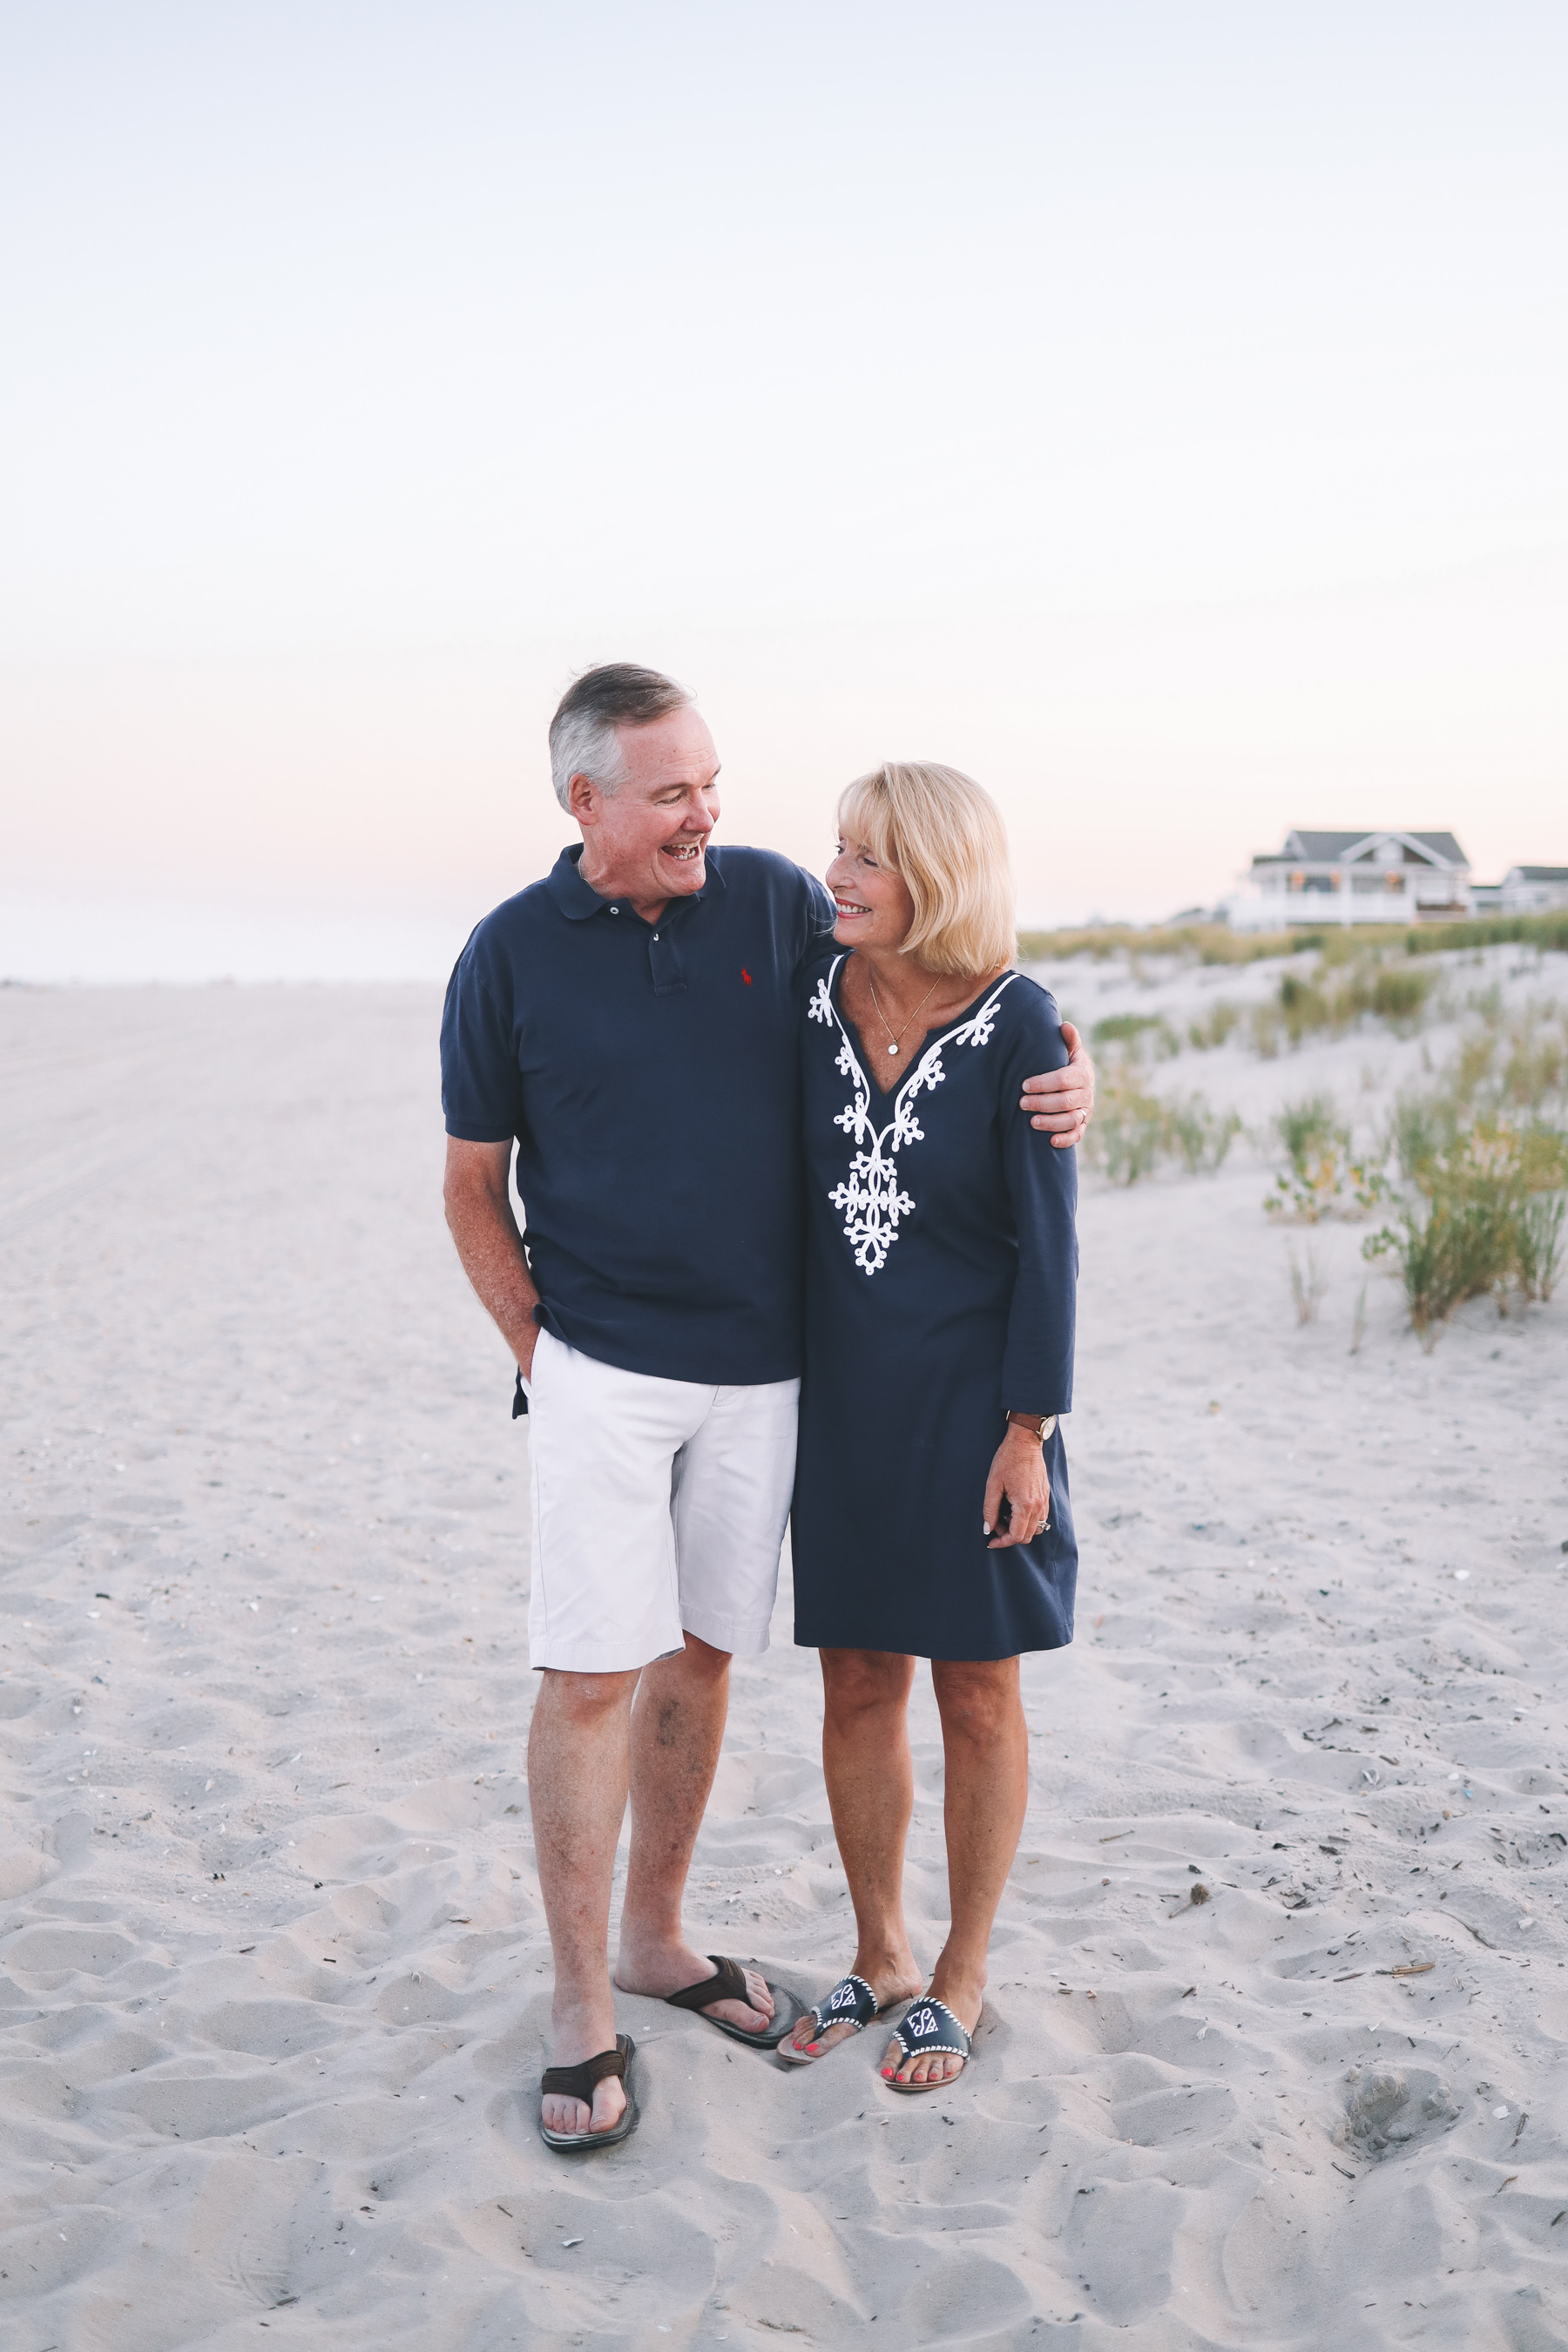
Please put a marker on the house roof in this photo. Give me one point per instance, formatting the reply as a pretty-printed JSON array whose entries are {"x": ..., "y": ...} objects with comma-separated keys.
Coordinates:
[
  {"x": 1538, "y": 873},
  {"x": 1320, "y": 848},
  {"x": 1339, "y": 848},
  {"x": 1443, "y": 845}
]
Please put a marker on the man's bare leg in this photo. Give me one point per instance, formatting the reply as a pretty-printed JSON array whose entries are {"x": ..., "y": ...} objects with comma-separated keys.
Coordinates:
[
  {"x": 578, "y": 1751},
  {"x": 677, "y": 1730}
]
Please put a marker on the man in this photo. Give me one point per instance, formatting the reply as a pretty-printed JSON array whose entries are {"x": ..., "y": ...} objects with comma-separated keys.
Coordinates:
[{"x": 631, "y": 1022}]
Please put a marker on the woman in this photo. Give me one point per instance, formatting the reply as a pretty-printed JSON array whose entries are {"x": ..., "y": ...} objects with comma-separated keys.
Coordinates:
[{"x": 931, "y": 1514}]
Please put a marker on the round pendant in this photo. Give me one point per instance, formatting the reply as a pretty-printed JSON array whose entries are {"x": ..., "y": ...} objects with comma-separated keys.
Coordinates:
[{"x": 893, "y": 1049}]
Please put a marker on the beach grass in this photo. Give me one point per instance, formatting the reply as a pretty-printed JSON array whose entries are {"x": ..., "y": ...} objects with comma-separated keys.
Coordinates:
[
  {"x": 1484, "y": 1214},
  {"x": 1218, "y": 943},
  {"x": 1134, "y": 1131},
  {"x": 1309, "y": 1285}
]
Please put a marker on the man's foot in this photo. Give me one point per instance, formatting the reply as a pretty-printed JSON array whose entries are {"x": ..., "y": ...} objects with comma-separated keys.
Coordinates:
[
  {"x": 936, "y": 2066},
  {"x": 657, "y": 1971},
  {"x": 581, "y": 2034},
  {"x": 890, "y": 1981}
]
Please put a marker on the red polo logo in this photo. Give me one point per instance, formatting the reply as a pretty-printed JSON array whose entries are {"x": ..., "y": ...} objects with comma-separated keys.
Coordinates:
[{"x": 745, "y": 975}]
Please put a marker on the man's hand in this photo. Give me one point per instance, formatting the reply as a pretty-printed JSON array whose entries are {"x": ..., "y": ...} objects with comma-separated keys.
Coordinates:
[
  {"x": 1068, "y": 1102},
  {"x": 478, "y": 1211}
]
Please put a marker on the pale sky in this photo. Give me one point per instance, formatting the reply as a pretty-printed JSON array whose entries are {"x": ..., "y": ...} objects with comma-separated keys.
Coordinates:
[{"x": 1156, "y": 410}]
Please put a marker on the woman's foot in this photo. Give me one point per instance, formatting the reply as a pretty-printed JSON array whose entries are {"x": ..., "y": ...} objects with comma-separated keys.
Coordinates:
[
  {"x": 890, "y": 1981},
  {"x": 965, "y": 1998}
]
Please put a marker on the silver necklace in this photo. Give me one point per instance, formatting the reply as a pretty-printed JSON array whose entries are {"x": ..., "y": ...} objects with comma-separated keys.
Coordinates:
[{"x": 882, "y": 1016}]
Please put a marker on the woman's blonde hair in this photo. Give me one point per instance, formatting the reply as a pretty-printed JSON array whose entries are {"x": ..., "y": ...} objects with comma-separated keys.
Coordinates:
[{"x": 946, "y": 838}]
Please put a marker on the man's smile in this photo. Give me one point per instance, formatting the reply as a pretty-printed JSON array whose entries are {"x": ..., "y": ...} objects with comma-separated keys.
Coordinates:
[{"x": 685, "y": 850}]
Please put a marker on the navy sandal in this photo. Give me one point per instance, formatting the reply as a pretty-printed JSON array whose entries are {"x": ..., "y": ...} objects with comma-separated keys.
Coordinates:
[
  {"x": 730, "y": 1984},
  {"x": 929, "y": 2026},
  {"x": 579, "y": 2083},
  {"x": 851, "y": 2002}
]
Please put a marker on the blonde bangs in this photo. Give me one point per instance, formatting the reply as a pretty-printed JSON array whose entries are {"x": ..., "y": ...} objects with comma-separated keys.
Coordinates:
[{"x": 944, "y": 835}]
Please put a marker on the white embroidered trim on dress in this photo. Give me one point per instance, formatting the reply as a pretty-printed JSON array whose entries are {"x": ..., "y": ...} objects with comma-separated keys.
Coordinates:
[{"x": 873, "y": 1201}]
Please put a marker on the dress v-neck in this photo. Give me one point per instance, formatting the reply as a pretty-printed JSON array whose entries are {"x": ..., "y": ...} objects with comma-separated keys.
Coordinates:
[{"x": 869, "y": 1059}]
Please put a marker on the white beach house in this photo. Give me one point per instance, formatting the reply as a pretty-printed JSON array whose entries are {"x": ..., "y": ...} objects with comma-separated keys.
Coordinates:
[
  {"x": 1534, "y": 890},
  {"x": 1355, "y": 878}
]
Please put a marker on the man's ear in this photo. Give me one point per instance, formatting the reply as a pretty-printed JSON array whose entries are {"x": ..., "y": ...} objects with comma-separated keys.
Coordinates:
[{"x": 584, "y": 799}]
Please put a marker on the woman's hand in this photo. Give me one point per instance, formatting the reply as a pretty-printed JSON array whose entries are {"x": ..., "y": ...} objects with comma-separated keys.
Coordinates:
[{"x": 1018, "y": 1471}]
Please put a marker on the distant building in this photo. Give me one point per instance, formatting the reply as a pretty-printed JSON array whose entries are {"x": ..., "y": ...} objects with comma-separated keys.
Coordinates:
[
  {"x": 1355, "y": 878},
  {"x": 1534, "y": 890}
]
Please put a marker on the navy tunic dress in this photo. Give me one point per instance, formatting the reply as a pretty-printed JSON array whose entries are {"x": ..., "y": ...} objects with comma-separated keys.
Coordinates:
[{"x": 942, "y": 1264}]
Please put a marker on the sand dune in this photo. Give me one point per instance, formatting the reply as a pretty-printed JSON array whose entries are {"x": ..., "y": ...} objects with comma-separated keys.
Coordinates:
[{"x": 273, "y": 1977}]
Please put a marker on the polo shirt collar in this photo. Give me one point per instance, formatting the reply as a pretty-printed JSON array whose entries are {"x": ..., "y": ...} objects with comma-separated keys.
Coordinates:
[{"x": 577, "y": 899}]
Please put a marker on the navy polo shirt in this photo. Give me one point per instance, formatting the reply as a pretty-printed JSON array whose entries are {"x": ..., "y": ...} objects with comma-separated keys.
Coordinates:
[{"x": 649, "y": 1072}]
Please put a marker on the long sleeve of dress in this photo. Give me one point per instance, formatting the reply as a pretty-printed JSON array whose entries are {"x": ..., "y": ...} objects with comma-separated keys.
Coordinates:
[{"x": 1042, "y": 1184}]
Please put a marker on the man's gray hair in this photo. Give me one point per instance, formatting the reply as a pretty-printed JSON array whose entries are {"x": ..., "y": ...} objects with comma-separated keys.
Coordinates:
[{"x": 583, "y": 737}]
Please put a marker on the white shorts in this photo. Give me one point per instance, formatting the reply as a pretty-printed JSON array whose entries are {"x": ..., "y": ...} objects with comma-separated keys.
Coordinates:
[{"x": 659, "y": 1511}]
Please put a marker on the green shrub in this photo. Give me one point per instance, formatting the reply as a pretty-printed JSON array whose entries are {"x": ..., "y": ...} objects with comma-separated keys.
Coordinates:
[
  {"x": 1536, "y": 1071},
  {"x": 1540, "y": 1244},
  {"x": 1200, "y": 1136},
  {"x": 1325, "y": 1001},
  {"x": 1309, "y": 1129},
  {"x": 1498, "y": 1072},
  {"x": 1213, "y": 1027},
  {"x": 1210, "y": 943},
  {"x": 1132, "y": 1029},
  {"x": 1542, "y": 931},
  {"x": 1353, "y": 943},
  {"x": 1400, "y": 997},
  {"x": 1303, "y": 1007},
  {"x": 1471, "y": 1066},
  {"x": 1127, "y": 1134},
  {"x": 1322, "y": 1179},
  {"x": 1265, "y": 1025},
  {"x": 1420, "y": 1128},
  {"x": 1485, "y": 1214},
  {"x": 1132, "y": 1131},
  {"x": 1216, "y": 943}
]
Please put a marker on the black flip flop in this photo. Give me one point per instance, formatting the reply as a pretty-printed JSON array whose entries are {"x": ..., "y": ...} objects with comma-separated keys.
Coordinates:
[
  {"x": 851, "y": 2002},
  {"x": 730, "y": 1984},
  {"x": 929, "y": 2026},
  {"x": 579, "y": 2083}
]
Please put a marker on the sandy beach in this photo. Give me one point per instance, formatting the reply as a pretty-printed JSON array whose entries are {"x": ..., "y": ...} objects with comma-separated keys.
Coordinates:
[{"x": 1273, "y": 2054}]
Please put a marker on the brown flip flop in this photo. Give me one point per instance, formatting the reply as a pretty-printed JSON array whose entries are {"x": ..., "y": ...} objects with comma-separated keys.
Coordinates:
[
  {"x": 579, "y": 2083},
  {"x": 730, "y": 1984}
]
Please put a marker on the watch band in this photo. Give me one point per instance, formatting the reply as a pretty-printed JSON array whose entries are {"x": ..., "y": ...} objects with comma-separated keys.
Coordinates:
[{"x": 1038, "y": 1424}]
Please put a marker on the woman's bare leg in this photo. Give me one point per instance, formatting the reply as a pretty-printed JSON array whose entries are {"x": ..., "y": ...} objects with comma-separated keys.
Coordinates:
[
  {"x": 986, "y": 1746},
  {"x": 870, "y": 1788}
]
